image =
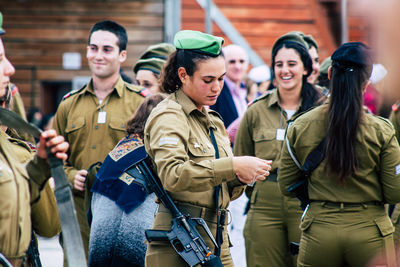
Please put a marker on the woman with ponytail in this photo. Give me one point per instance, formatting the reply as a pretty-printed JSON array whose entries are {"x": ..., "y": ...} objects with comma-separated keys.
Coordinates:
[{"x": 346, "y": 223}]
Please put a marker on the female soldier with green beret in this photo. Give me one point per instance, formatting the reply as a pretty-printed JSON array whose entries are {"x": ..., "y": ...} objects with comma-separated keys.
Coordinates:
[
  {"x": 273, "y": 220},
  {"x": 346, "y": 223},
  {"x": 178, "y": 138}
]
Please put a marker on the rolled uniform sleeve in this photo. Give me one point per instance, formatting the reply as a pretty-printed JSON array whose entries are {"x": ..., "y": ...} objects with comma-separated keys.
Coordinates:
[
  {"x": 183, "y": 161},
  {"x": 289, "y": 173},
  {"x": 390, "y": 169}
]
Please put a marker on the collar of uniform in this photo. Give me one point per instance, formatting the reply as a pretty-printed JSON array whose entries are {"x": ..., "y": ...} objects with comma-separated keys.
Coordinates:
[
  {"x": 187, "y": 104},
  {"x": 119, "y": 87},
  {"x": 188, "y": 107},
  {"x": 273, "y": 99}
]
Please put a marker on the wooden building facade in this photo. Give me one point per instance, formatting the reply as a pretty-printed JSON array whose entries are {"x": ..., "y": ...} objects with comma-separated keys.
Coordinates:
[{"x": 40, "y": 32}]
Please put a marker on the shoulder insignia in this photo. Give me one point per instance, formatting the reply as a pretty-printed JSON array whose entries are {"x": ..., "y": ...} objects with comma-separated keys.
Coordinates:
[
  {"x": 144, "y": 92},
  {"x": 73, "y": 92},
  {"x": 396, "y": 106},
  {"x": 28, "y": 146},
  {"x": 14, "y": 89},
  {"x": 269, "y": 92},
  {"x": 140, "y": 90}
]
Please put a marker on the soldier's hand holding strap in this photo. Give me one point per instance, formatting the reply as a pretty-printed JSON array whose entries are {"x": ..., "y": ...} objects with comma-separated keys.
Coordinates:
[
  {"x": 250, "y": 169},
  {"x": 55, "y": 142}
]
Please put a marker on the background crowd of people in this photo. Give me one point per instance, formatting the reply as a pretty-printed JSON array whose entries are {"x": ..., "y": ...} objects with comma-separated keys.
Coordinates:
[{"x": 227, "y": 143}]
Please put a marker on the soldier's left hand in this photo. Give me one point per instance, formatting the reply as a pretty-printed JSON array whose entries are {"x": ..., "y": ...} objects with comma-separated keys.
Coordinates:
[{"x": 56, "y": 143}]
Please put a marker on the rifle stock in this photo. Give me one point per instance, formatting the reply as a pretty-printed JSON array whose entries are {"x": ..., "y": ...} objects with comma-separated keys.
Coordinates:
[{"x": 183, "y": 236}]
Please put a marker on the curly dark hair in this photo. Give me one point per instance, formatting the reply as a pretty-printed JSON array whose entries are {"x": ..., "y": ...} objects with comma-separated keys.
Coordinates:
[
  {"x": 187, "y": 59},
  {"x": 135, "y": 125}
]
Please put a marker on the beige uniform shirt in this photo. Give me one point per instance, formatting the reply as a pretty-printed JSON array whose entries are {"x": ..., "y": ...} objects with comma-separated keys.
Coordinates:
[
  {"x": 262, "y": 130},
  {"x": 17, "y": 191},
  {"x": 378, "y": 153},
  {"x": 177, "y": 139},
  {"x": 93, "y": 129},
  {"x": 44, "y": 212}
]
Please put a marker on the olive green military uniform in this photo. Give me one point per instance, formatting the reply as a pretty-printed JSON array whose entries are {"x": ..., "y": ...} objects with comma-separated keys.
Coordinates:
[
  {"x": 177, "y": 139},
  {"x": 19, "y": 186},
  {"x": 44, "y": 212},
  {"x": 273, "y": 219},
  {"x": 92, "y": 130},
  {"x": 395, "y": 120},
  {"x": 345, "y": 224}
]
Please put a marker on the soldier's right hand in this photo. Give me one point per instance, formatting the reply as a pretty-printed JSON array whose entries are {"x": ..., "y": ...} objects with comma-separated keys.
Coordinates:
[
  {"x": 249, "y": 169},
  {"x": 79, "y": 180}
]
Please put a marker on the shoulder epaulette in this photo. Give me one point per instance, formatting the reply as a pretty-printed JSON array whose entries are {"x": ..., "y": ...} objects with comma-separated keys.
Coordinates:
[
  {"x": 73, "y": 92},
  {"x": 14, "y": 89},
  {"x": 28, "y": 146},
  {"x": 396, "y": 106},
  {"x": 260, "y": 97},
  {"x": 140, "y": 90}
]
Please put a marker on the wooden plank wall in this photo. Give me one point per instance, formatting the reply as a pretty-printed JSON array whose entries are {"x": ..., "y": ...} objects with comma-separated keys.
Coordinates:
[
  {"x": 39, "y": 32},
  {"x": 261, "y": 22}
]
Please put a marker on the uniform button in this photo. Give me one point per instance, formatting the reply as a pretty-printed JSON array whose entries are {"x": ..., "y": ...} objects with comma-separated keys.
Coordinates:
[
  {"x": 96, "y": 127},
  {"x": 94, "y": 146},
  {"x": 204, "y": 150},
  {"x": 73, "y": 125},
  {"x": 123, "y": 126}
]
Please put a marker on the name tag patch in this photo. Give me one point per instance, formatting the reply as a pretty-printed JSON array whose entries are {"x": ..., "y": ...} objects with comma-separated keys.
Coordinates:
[{"x": 168, "y": 141}]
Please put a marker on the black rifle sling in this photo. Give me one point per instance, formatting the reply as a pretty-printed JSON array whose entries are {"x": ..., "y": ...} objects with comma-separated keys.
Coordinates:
[
  {"x": 314, "y": 158},
  {"x": 217, "y": 189}
]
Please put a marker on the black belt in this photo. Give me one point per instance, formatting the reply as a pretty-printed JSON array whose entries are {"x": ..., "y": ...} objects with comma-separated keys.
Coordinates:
[
  {"x": 347, "y": 204},
  {"x": 199, "y": 212}
]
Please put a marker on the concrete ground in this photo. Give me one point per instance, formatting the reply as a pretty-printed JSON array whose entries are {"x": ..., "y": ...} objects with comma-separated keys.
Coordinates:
[{"x": 51, "y": 253}]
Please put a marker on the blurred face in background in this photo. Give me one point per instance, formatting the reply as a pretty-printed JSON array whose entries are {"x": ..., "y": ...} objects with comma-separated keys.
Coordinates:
[
  {"x": 6, "y": 70},
  {"x": 236, "y": 62},
  {"x": 315, "y": 65},
  {"x": 148, "y": 80}
]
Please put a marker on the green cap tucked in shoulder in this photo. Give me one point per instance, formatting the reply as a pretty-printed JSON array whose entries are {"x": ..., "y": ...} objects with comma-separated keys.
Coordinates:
[
  {"x": 2, "y": 31},
  {"x": 294, "y": 36},
  {"x": 198, "y": 41}
]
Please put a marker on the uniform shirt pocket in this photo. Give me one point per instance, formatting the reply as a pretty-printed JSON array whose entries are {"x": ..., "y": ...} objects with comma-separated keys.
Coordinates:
[
  {"x": 118, "y": 124},
  {"x": 265, "y": 144},
  {"x": 74, "y": 125},
  {"x": 199, "y": 151}
]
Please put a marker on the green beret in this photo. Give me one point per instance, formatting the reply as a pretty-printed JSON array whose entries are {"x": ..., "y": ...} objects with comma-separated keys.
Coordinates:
[
  {"x": 294, "y": 36},
  {"x": 310, "y": 41},
  {"x": 2, "y": 31},
  {"x": 323, "y": 68},
  {"x": 199, "y": 42},
  {"x": 153, "y": 64},
  {"x": 161, "y": 50}
]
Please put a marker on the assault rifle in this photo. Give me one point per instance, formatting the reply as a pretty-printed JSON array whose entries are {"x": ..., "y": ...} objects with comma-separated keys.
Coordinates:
[{"x": 183, "y": 236}]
